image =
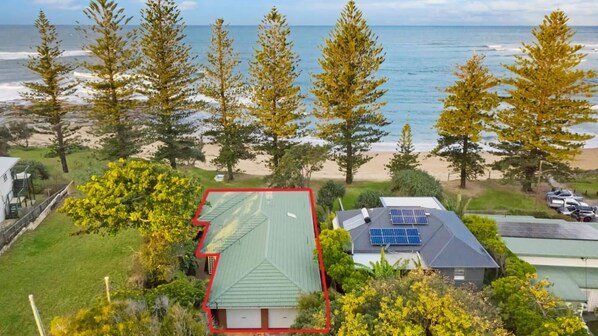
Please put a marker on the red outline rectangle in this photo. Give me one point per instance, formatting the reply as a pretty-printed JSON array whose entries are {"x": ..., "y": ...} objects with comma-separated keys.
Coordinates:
[{"x": 216, "y": 255}]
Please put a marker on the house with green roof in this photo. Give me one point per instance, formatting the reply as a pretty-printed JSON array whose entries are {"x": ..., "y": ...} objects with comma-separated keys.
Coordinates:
[
  {"x": 565, "y": 253},
  {"x": 260, "y": 253}
]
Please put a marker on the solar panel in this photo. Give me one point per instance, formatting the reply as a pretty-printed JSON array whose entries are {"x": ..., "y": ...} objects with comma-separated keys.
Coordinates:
[
  {"x": 397, "y": 220},
  {"x": 376, "y": 232},
  {"x": 376, "y": 240},
  {"x": 414, "y": 240},
  {"x": 408, "y": 216},
  {"x": 395, "y": 236},
  {"x": 407, "y": 212},
  {"x": 419, "y": 213}
]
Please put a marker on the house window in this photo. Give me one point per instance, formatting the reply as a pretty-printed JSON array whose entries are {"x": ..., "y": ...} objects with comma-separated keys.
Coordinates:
[
  {"x": 211, "y": 261},
  {"x": 459, "y": 274}
]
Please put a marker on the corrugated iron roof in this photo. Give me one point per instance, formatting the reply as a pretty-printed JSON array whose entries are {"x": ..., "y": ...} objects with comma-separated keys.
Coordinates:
[
  {"x": 266, "y": 242},
  {"x": 552, "y": 247}
]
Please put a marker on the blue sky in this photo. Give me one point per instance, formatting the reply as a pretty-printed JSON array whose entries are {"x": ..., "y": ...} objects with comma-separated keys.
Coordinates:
[{"x": 325, "y": 12}]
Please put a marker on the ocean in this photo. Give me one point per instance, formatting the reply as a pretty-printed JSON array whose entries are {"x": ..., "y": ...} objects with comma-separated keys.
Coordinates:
[{"x": 420, "y": 61}]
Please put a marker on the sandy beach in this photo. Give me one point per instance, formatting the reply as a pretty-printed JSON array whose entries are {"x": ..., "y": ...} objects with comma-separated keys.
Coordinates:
[{"x": 374, "y": 170}]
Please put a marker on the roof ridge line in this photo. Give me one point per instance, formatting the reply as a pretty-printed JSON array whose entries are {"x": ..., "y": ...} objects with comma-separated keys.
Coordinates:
[
  {"x": 282, "y": 272},
  {"x": 441, "y": 250},
  {"x": 241, "y": 278}
]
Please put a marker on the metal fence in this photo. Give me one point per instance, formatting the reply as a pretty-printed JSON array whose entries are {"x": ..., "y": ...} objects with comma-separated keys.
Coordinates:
[{"x": 9, "y": 233}]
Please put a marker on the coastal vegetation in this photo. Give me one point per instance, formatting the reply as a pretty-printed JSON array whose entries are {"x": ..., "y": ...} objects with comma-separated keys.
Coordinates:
[
  {"x": 144, "y": 208},
  {"x": 46, "y": 98},
  {"x": 228, "y": 121},
  {"x": 348, "y": 96},
  {"x": 405, "y": 157},
  {"x": 547, "y": 95},
  {"x": 278, "y": 106},
  {"x": 114, "y": 55},
  {"x": 467, "y": 113},
  {"x": 167, "y": 75}
]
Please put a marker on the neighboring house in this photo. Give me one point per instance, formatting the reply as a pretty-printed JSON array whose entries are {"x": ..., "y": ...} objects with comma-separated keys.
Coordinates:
[
  {"x": 265, "y": 242},
  {"x": 6, "y": 185},
  {"x": 565, "y": 253},
  {"x": 427, "y": 235}
]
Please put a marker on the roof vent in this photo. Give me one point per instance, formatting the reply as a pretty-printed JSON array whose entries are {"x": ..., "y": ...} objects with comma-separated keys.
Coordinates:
[{"x": 366, "y": 215}]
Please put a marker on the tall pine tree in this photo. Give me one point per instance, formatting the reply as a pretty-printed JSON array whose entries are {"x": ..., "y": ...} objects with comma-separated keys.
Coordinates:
[
  {"x": 347, "y": 93},
  {"x": 114, "y": 60},
  {"x": 467, "y": 112},
  {"x": 404, "y": 158},
  {"x": 548, "y": 96},
  {"x": 277, "y": 99},
  {"x": 167, "y": 77},
  {"x": 47, "y": 96},
  {"x": 224, "y": 85}
]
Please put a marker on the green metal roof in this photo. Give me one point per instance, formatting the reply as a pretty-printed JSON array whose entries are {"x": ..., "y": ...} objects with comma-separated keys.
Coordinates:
[
  {"x": 552, "y": 247},
  {"x": 266, "y": 242},
  {"x": 568, "y": 281}
]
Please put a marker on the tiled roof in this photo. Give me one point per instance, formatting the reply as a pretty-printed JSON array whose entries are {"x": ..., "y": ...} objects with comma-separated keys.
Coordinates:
[{"x": 266, "y": 242}]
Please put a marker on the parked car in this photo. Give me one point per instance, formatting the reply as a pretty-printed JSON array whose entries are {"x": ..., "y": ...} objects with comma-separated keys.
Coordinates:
[
  {"x": 562, "y": 194},
  {"x": 559, "y": 203},
  {"x": 584, "y": 214},
  {"x": 581, "y": 209}
]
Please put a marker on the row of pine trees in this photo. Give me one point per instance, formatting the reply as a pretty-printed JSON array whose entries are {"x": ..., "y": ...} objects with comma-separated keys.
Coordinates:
[{"x": 547, "y": 94}]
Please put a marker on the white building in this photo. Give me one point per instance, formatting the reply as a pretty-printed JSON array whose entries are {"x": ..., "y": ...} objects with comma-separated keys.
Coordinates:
[{"x": 6, "y": 183}]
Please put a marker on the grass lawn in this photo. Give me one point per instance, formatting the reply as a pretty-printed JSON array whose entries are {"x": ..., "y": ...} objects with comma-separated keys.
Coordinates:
[
  {"x": 491, "y": 195},
  {"x": 587, "y": 186},
  {"x": 63, "y": 272}
]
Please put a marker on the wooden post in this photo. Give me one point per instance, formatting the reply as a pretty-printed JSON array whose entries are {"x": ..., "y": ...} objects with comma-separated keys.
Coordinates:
[
  {"x": 107, "y": 282},
  {"x": 38, "y": 320}
]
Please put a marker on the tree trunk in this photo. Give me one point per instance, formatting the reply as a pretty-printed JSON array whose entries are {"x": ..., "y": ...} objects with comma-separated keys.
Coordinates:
[
  {"x": 526, "y": 184},
  {"x": 349, "y": 172},
  {"x": 464, "y": 164},
  {"x": 229, "y": 171},
  {"x": 60, "y": 148},
  {"x": 172, "y": 160},
  {"x": 275, "y": 153}
]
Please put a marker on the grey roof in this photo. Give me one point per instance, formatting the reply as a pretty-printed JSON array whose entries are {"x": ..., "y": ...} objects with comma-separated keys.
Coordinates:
[
  {"x": 575, "y": 231},
  {"x": 446, "y": 241},
  {"x": 6, "y": 163}
]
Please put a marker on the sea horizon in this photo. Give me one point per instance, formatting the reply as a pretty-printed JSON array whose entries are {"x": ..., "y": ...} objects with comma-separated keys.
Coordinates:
[{"x": 420, "y": 61}]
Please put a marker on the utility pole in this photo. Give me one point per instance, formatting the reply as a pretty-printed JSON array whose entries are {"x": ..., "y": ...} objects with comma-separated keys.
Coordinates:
[
  {"x": 38, "y": 319},
  {"x": 107, "y": 282}
]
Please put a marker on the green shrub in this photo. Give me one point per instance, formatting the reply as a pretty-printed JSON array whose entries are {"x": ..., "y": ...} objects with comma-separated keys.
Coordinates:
[
  {"x": 329, "y": 192},
  {"x": 416, "y": 183},
  {"x": 186, "y": 291},
  {"x": 517, "y": 267},
  {"x": 321, "y": 213},
  {"x": 368, "y": 199}
]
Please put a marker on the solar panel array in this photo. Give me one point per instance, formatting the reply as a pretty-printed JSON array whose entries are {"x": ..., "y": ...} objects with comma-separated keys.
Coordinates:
[
  {"x": 408, "y": 216},
  {"x": 386, "y": 236}
]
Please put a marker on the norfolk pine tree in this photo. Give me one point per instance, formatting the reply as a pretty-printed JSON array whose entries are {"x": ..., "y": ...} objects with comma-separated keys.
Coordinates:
[
  {"x": 347, "y": 94},
  {"x": 47, "y": 96},
  {"x": 167, "y": 77},
  {"x": 548, "y": 96},
  {"x": 115, "y": 58},
  {"x": 467, "y": 112},
  {"x": 277, "y": 99},
  {"x": 405, "y": 158},
  {"x": 222, "y": 84}
]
